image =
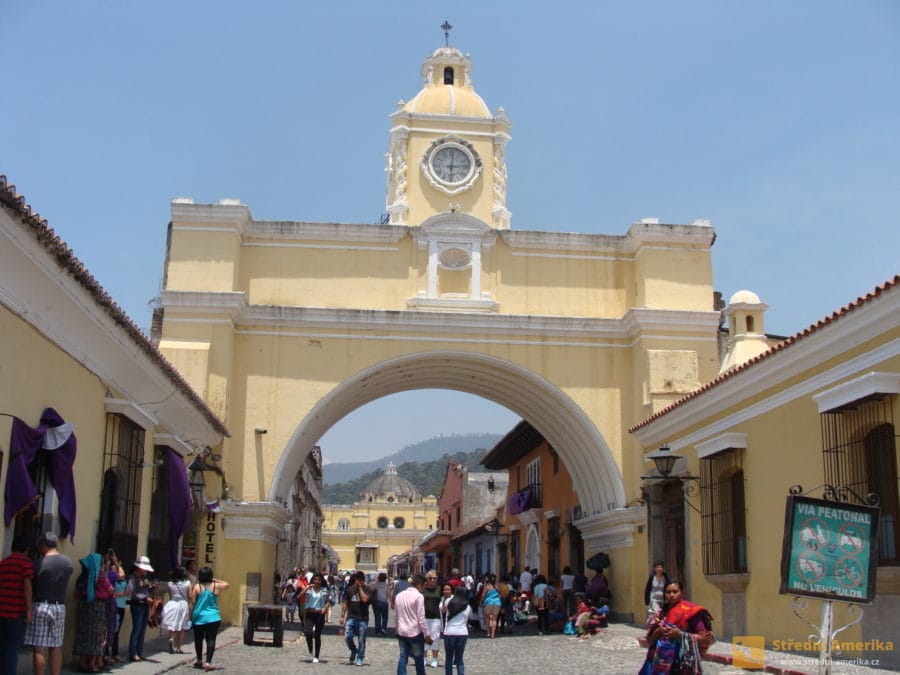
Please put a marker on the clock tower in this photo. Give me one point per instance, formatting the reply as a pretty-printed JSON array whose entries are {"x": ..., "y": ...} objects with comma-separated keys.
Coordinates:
[{"x": 447, "y": 149}]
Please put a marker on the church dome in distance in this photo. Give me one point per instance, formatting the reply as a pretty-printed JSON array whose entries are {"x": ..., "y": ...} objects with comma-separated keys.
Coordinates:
[
  {"x": 448, "y": 88},
  {"x": 391, "y": 488}
]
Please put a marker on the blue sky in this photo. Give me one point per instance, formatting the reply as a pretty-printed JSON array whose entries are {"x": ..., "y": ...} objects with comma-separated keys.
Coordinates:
[{"x": 779, "y": 121}]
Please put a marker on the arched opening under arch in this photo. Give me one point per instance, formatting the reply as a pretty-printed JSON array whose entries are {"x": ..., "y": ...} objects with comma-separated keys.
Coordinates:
[{"x": 596, "y": 477}]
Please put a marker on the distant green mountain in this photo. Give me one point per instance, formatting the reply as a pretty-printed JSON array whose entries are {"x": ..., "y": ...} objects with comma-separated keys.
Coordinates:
[
  {"x": 423, "y": 451},
  {"x": 427, "y": 476}
]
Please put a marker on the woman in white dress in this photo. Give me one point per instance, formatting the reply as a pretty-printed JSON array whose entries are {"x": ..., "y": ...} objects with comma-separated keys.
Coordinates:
[{"x": 176, "y": 617}]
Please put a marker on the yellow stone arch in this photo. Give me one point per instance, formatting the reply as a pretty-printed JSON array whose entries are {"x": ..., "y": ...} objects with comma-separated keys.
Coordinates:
[{"x": 562, "y": 422}]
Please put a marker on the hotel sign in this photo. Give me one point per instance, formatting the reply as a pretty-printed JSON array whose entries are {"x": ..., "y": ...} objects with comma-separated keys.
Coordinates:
[{"x": 830, "y": 550}]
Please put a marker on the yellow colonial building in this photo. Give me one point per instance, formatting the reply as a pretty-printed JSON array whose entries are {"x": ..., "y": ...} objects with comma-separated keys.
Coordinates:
[
  {"x": 390, "y": 518},
  {"x": 96, "y": 427},
  {"x": 818, "y": 409},
  {"x": 284, "y": 327}
]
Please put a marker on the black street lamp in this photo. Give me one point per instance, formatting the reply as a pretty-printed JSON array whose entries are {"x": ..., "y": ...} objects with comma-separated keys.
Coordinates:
[
  {"x": 664, "y": 459},
  {"x": 494, "y": 527},
  {"x": 197, "y": 482}
]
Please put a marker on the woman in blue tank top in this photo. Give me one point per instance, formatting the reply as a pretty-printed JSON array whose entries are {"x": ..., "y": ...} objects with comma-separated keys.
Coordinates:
[{"x": 205, "y": 614}]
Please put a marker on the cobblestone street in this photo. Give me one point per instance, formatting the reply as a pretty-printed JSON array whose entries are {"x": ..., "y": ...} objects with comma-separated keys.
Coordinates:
[{"x": 614, "y": 651}]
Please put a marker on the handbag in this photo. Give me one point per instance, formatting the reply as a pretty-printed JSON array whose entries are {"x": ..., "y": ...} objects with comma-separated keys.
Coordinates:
[
  {"x": 569, "y": 628},
  {"x": 689, "y": 662}
]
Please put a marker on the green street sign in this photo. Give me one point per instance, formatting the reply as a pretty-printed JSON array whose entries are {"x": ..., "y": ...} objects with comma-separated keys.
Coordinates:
[{"x": 830, "y": 550}]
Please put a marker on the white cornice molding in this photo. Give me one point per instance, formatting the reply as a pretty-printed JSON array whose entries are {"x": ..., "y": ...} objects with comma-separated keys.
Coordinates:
[
  {"x": 634, "y": 324},
  {"x": 229, "y": 303},
  {"x": 554, "y": 242},
  {"x": 640, "y": 235},
  {"x": 132, "y": 411},
  {"x": 397, "y": 118},
  {"x": 452, "y": 304},
  {"x": 254, "y": 521},
  {"x": 720, "y": 443},
  {"x": 173, "y": 442},
  {"x": 454, "y": 227},
  {"x": 878, "y": 317},
  {"x": 857, "y": 389},
  {"x": 49, "y": 298},
  {"x": 235, "y": 215},
  {"x": 320, "y": 247},
  {"x": 309, "y": 322},
  {"x": 611, "y": 529},
  {"x": 529, "y": 517},
  {"x": 285, "y": 230},
  {"x": 640, "y": 320}
]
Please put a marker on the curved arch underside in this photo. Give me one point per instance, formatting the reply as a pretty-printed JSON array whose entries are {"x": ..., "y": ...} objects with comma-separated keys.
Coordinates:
[{"x": 596, "y": 477}]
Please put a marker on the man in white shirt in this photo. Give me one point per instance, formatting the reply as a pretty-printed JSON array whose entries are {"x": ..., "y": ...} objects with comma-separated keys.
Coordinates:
[{"x": 526, "y": 579}]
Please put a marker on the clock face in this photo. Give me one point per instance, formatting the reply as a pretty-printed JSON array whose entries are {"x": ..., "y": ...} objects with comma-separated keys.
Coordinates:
[{"x": 451, "y": 164}]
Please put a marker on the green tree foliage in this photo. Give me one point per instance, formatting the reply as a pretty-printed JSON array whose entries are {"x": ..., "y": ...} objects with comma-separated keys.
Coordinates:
[{"x": 427, "y": 476}]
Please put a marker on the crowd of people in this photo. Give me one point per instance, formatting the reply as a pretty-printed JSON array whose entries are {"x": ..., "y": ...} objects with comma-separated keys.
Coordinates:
[
  {"x": 433, "y": 612},
  {"x": 430, "y": 612},
  {"x": 33, "y": 605}
]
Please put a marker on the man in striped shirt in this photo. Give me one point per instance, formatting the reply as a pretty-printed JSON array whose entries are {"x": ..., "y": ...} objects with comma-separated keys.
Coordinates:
[{"x": 16, "y": 573}]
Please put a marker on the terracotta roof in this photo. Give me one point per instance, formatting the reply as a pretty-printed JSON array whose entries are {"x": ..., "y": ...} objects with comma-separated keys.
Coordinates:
[
  {"x": 780, "y": 347},
  {"x": 58, "y": 250},
  {"x": 518, "y": 442},
  {"x": 472, "y": 531}
]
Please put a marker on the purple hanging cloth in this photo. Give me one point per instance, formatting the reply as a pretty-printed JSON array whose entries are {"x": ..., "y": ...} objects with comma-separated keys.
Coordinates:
[
  {"x": 55, "y": 435},
  {"x": 24, "y": 442},
  {"x": 63, "y": 445},
  {"x": 518, "y": 501},
  {"x": 179, "y": 502}
]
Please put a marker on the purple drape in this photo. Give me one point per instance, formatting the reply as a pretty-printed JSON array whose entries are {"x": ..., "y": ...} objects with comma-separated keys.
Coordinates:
[
  {"x": 179, "y": 503},
  {"x": 21, "y": 493},
  {"x": 518, "y": 501},
  {"x": 24, "y": 443},
  {"x": 61, "y": 462}
]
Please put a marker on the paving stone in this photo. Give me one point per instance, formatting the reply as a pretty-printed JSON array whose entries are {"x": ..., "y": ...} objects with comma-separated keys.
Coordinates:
[{"x": 616, "y": 650}]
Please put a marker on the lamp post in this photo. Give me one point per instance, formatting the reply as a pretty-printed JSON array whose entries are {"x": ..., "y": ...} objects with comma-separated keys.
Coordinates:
[
  {"x": 500, "y": 541},
  {"x": 197, "y": 482},
  {"x": 664, "y": 460}
]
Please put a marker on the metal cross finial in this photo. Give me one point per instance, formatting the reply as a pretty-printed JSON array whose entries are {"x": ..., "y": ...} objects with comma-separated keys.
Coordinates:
[{"x": 446, "y": 27}]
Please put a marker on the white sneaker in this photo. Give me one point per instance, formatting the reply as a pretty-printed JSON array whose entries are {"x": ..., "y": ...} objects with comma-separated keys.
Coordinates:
[
  {"x": 434, "y": 663},
  {"x": 315, "y": 660}
]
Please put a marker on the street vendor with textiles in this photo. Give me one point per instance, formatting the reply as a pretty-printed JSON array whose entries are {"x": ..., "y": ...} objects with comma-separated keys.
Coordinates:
[{"x": 678, "y": 635}]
